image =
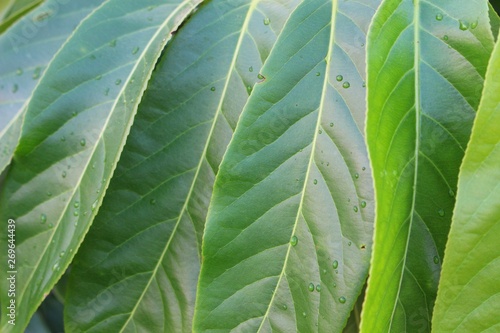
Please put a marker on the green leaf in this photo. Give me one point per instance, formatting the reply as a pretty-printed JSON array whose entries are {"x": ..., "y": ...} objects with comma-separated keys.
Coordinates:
[
  {"x": 469, "y": 293},
  {"x": 13, "y": 10},
  {"x": 163, "y": 183},
  {"x": 75, "y": 127},
  {"x": 426, "y": 64},
  {"x": 494, "y": 21},
  {"x": 26, "y": 50},
  {"x": 292, "y": 207}
]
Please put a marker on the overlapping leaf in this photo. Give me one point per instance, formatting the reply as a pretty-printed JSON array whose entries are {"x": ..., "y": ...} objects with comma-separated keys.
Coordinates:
[
  {"x": 288, "y": 234},
  {"x": 13, "y": 10},
  {"x": 469, "y": 293},
  {"x": 426, "y": 64},
  {"x": 25, "y": 50},
  {"x": 74, "y": 130},
  {"x": 143, "y": 251}
]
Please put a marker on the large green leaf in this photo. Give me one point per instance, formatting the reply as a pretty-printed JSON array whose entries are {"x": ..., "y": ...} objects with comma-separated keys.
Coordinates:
[
  {"x": 163, "y": 183},
  {"x": 288, "y": 234},
  {"x": 426, "y": 64},
  {"x": 74, "y": 130},
  {"x": 25, "y": 50},
  {"x": 469, "y": 293},
  {"x": 13, "y": 10}
]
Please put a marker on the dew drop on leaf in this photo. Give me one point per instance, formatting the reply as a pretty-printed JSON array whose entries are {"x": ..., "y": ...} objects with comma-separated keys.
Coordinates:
[
  {"x": 439, "y": 17},
  {"x": 83, "y": 142},
  {"x": 311, "y": 287},
  {"x": 346, "y": 85},
  {"x": 342, "y": 299},
  {"x": 473, "y": 25},
  {"x": 15, "y": 88},
  {"x": 304, "y": 314},
  {"x": 76, "y": 204},
  {"x": 284, "y": 307},
  {"x": 112, "y": 43},
  {"x": 267, "y": 21},
  {"x": 441, "y": 212},
  {"x": 335, "y": 264},
  {"x": 318, "y": 288},
  {"x": 118, "y": 81},
  {"x": 250, "y": 69},
  {"x": 436, "y": 260},
  {"x": 451, "y": 193},
  {"x": 339, "y": 78},
  {"x": 463, "y": 25},
  {"x": 76, "y": 213},
  {"x": 315, "y": 181},
  {"x": 64, "y": 174},
  {"x": 331, "y": 124},
  {"x": 36, "y": 73},
  {"x": 363, "y": 204},
  {"x": 19, "y": 71},
  {"x": 152, "y": 202},
  {"x": 43, "y": 218},
  {"x": 94, "y": 205},
  {"x": 356, "y": 175},
  {"x": 213, "y": 88},
  {"x": 445, "y": 37},
  {"x": 355, "y": 208},
  {"x": 135, "y": 50},
  {"x": 294, "y": 240}
]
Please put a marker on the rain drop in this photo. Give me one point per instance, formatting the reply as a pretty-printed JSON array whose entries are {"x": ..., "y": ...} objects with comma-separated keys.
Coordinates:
[
  {"x": 250, "y": 69},
  {"x": 135, "y": 50},
  {"x": 36, "y": 73},
  {"x": 106, "y": 92},
  {"x": 363, "y": 168},
  {"x": 331, "y": 124},
  {"x": 342, "y": 299},
  {"x": 346, "y": 85},
  {"x": 318, "y": 288},
  {"x": 311, "y": 287},
  {"x": 249, "y": 89},
  {"x": 260, "y": 76},
  {"x": 315, "y": 181},
  {"x": 304, "y": 314},
  {"x": 436, "y": 260},
  {"x": 152, "y": 202},
  {"x": 320, "y": 132},
  {"x": 19, "y": 71},
  {"x": 294, "y": 240},
  {"x": 339, "y": 78},
  {"x": 267, "y": 21},
  {"x": 43, "y": 218},
  {"x": 83, "y": 142},
  {"x": 318, "y": 74},
  {"x": 112, "y": 43},
  {"x": 463, "y": 25},
  {"x": 15, "y": 88},
  {"x": 451, "y": 193},
  {"x": 98, "y": 77},
  {"x": 77, "y": 204},
  {"x": 335, "y": 264},
  {"x": 51, "y": 225},
  {"x": 473, "y": 25},
  {"x": 55, "y": 267},
  {"x": 445, "y": 37},
  {"x": 62, "y": 254},
  {"x": 355, "y": 208},
  {"x": 363, "y": 204},
  {"x": 284, "y": 307},
  {"x": 350, "y": 243},
  {"x": 356, "y": 175},
  {"x": 76, "y": 213},
  {"x": 118, "y": 81},
  {"x": 213, "y": 88},
  {"x": 49, "y": 194},
  {"x": 64, "y": 174},
  {"x": 439, "y": 17},
  {"x": 441, "y": 212},
  {"x": 94, "y": 205}
]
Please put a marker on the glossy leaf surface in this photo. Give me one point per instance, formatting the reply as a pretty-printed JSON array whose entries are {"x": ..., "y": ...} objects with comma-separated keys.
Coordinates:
[
  {"x": 426, "y": 64},
  {"x": 288, "y": 235},
  {"x": 26, "y": 49},
  {"x": 469, "y": 293},
  {"x": 163, "y": 182},
  {"x": 75, "y": 127}
]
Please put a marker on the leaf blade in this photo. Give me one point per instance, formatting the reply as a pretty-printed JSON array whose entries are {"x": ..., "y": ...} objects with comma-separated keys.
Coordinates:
[
  {"x": 411, "y": 90},
  {"x": 468, "y": 294}
]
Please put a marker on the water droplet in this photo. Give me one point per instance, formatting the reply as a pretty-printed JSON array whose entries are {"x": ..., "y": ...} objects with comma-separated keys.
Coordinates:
[
  {"x": 64, "y": 174},
  {"x": 363, "y": 168},
  {"x": 335, "y": 264},
  {"x": 98, "y": 77},
  {"x": 315, "y": 181},
  {"x": 49, "y": 194},
  {"x": 350, "y": 243},
  {"x": 284, "y": 307},
  {"x": 93, "y": 57},
  {"x": 250, "y": 69},
  {"x": 76, "y": 223},
  {"x": 267, "y": 21},
  {"x": 363, "y": 204},
  {"x": 249, "y": 89},
  {"x": 436, "y": 260},
  {"x": 43, "y": 218},
  {"x": 62, "y": 254},
  {"x": 74, "y": 113},
  {"x": 135, "y": 50},
  {"x": 346, "y": 85},
  {"x": 294, "y": 240},
  {"x": 83, "y": 142},
  {"x": 356, "y": 175},
  {"x": 445, "y": 37},
  {"x": 441, "y": 212},
  {"x": 364, "y": 84},
  {"x": 213, "y": 88},
  {"x": 150, "y": 8},
  {"x": 106, "y": 92},
  {"x": 463, "y": 25},
  {"x": 318, "y": 288},
  {"x": 76, "y": 213},
  {"x": 118, "y": 81},
  {"x": 439, "y": 17},
  {"x": 36, "y": 73},
  {"x": 55, "y": 267},
  {"x": 451, "y": 193},
  {"x": 304, "y": 314},
  {"x": 342, "y": 299},
  {"x": 355, "y": 208},
  {"x": 331, "y": 124},
  {"x": 311, "y": 287},
  {"x": 19, "y": 71},
  {"x": 473, "y": 25},
  {"x": 318, "y": 74},
  {"x": 94, "y": 205},
  {"x": 339, "y": 78},
  {"x": 112, "y": 43},
  {"x": 334, "y": 285},
  {"x": 260, "y": 76},
  {"x": 15, "y": 88},
  {"x": 320, "y": 132},
  {"x": 51, "y": 225},
  {"x": 76, "y": 204}
]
